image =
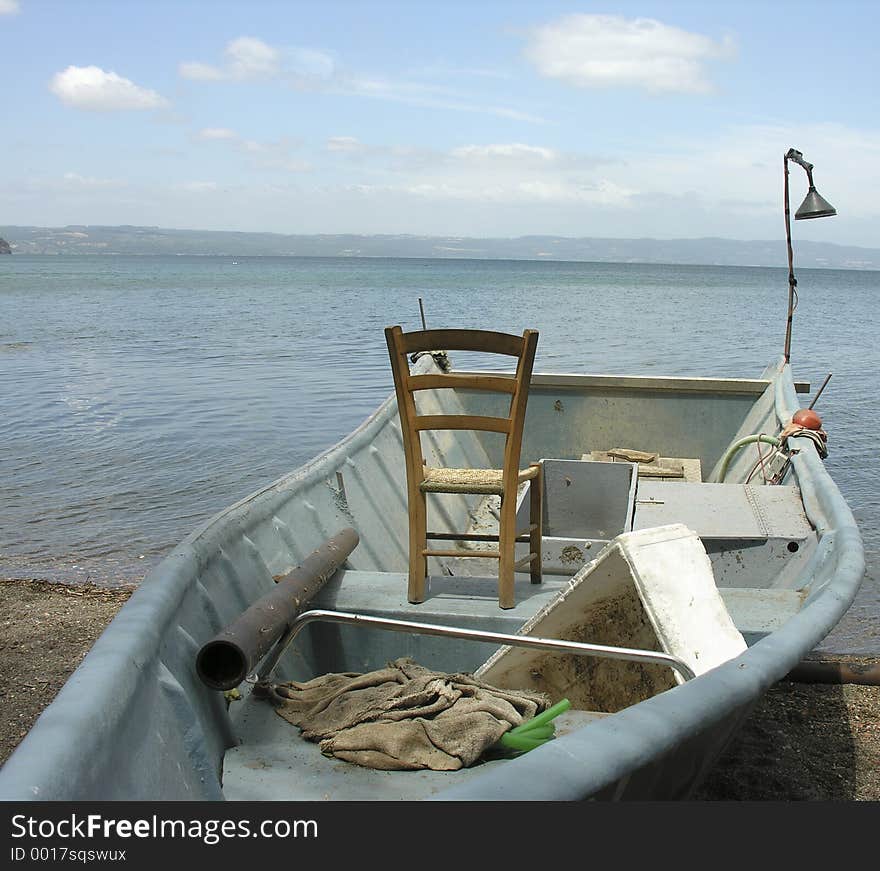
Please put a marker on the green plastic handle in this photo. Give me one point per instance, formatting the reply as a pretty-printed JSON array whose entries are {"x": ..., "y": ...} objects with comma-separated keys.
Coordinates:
[
  {"x": 521, "y": 742},
  {"x": 542, "y": 719},
  {"x": 535, "y": 732},
  {"x": 544, "y": 732}
]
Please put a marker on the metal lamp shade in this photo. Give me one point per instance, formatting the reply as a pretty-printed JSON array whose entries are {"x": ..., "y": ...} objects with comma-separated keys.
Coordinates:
[{"x": 814, "y": 206}]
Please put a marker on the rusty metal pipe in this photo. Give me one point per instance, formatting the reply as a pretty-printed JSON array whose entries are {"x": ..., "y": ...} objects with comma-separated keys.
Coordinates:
[
  {"x": 228, "y": 658},
  {"x": 837, "y": 668}
]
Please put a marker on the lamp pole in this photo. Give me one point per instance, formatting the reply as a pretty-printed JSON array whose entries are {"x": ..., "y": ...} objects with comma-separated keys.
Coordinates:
[
  {"x": 813, "y": 206},
  {"x": 792, "y": 281}
]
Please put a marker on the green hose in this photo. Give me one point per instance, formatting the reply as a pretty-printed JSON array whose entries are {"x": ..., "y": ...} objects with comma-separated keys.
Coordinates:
[
  {"x": 535, "y": 732},
  {"x": 725, "y": 462}
]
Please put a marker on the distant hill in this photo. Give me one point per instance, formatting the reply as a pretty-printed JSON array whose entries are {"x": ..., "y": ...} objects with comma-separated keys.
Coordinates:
[{"x": 159, "y": 240}]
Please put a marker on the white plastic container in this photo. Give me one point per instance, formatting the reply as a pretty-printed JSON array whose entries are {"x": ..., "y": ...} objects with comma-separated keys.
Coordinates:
[{"x": 652, "y": 589}]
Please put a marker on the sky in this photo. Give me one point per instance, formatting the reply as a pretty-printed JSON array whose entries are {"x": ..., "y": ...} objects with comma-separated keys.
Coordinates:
[{"x": 481, "y": 118}]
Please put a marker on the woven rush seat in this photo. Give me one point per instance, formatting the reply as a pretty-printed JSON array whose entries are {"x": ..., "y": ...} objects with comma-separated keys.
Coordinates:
[{"x": 481, "y": 481}]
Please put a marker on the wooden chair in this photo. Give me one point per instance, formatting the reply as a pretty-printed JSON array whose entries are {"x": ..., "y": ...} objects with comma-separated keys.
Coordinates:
[{"x": 503, "y": 482}]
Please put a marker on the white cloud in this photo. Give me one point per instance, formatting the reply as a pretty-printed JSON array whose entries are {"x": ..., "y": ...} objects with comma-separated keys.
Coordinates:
[
  {"x": 311, "y": 63},
  {"x": 728, "y": 185},
  {"x": 249, "y": 57},
  {"x": 426, "y": 96},
  {"x": 197, "y": 187},
  {"x": 217, "y": 133},
  {"x": 602, "y": 51},
  {"x": 9, "y": 7},
  {"x": 515, "y": 114},
  {"x": 66, "y": 184},
  {"x": 275, "y": 155},
  {"x": 511, "y": 172},
  {"x": 347, "y": 144},
  {"x": 73, "y": 180},
  {"x": 98, "y": 90},
  {"x": 559, "y": 190},
  {"x": 317, "y": 71},
  {"x": 246, "y": 58},
  {"x": 394, "y": 159},
  {"x": 514, "y": 151},
  {"x": 279, "y": 155}
]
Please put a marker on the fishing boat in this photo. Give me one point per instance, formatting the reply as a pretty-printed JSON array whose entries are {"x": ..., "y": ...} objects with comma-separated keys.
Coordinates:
[
  {"x": 691, "y": 549},
  {"x": 136, "y": 720}
]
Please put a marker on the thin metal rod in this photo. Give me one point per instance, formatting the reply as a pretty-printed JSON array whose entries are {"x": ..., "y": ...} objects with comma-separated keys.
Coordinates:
[
  {"x": 422, "y": 312},
  {"x": 555, "y": 644},
  {"x": 819, "y": 392},
  {"x": 792, "y": 281}
]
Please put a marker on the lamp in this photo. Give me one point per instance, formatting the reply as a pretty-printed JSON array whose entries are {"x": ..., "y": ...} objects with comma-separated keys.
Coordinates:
[{"x": 813, "y": 206}]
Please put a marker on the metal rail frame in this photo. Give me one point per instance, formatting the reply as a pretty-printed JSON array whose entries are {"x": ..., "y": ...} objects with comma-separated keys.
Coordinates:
[{"x": 558, "y": 645}]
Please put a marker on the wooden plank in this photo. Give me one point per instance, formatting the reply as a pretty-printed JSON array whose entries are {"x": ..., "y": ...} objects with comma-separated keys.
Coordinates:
[
  {"x": 495, "y": 383},
  {"x": 462, "y": 340},
  {"x": 663, "y": 468},
  {"x": 461, "y": 421},
  {"x": 525, "y": 560}
]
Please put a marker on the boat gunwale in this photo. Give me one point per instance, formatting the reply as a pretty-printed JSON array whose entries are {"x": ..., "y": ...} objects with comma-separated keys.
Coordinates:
[{"x": 673, "y": 383}]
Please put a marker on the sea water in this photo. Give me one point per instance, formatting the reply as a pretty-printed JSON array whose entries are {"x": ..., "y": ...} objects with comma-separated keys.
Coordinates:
[{"x": 141, "y": 395}]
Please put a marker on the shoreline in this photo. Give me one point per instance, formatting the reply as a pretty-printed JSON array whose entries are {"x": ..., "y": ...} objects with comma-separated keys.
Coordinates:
[{"x": 802, "y": 742}]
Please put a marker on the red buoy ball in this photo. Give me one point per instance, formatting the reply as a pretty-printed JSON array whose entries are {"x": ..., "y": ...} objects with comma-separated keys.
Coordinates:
[{"x": 807, "y": 418}]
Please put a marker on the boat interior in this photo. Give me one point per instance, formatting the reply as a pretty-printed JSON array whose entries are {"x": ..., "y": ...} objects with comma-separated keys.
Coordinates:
[{"x": 619, "y": 454}]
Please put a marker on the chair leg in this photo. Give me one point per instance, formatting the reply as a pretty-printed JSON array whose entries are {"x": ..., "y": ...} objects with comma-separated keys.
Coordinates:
[
  {"x": 418, "y": 542},
  {"x": 506, "y": 550},
  {"x": 536, "y": 498}
]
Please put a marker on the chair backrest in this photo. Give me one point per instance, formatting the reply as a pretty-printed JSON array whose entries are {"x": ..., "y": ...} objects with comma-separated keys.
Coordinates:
[{"x": 401, "y": 344}]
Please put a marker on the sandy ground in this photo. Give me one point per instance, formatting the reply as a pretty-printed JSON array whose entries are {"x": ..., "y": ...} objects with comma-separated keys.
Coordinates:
[
  {"x": 802, "y": 741},
  {"x": 45, "y": 631}
]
